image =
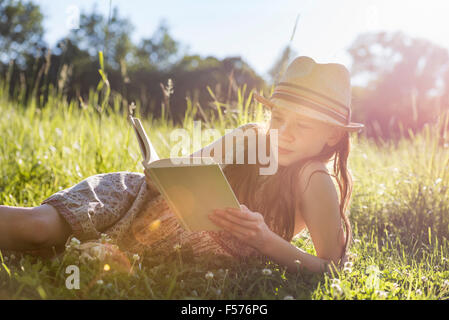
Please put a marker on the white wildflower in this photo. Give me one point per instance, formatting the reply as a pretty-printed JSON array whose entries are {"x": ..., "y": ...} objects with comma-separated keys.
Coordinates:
[
  {"x": 74, "y": 241},
  {"x": 424, "y": 278},
  {"x": 177, "y": 246},
  {"x": 298, "y": 262},
  {"x": 348, "y": 264},
  {"x": 346, "y": 269},
  {"x": 446, "y": 283},
  {"x": 100, "y": 282},
  {"x": 209, "y": 275},
  {"x": 136, "y": 257},
  {"x": 104, "y": 238},
  {"x": 381, "y": 293},
  {"x": 335, "y": 281},
  {"x": 266, "y": 272},
  {"x": 418, "y": 292},
  {"x": 336, "y": 289}
]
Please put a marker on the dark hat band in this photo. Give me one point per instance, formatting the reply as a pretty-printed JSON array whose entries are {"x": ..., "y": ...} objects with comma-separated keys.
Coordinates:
[
  {"x": 312, "y": 105},
  {"x": 288, "y": 84}
]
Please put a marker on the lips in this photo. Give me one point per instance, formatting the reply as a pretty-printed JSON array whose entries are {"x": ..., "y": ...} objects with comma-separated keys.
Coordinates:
[{"x": 283, "y": 151}]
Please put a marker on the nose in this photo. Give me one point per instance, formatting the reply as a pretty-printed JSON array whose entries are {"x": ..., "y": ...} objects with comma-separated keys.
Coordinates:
[{"x": 284, "y": 132}]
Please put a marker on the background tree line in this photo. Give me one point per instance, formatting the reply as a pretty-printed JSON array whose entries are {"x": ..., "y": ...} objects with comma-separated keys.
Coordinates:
[{"x": 406, "y": 79}]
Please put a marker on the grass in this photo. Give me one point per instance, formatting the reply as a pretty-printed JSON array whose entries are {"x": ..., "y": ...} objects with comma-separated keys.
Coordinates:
[{"x": 399, "y": 213}]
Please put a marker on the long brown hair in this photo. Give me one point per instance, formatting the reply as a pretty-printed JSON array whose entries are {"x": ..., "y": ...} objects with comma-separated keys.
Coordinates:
[{"x": 276, "y": 196}]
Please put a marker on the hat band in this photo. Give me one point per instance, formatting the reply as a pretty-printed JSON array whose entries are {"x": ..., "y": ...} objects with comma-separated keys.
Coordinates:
[
  {"x": 288, "y": 84},
  {"x": 308, "y": 104},
  {"x": 333, "y": 108}
]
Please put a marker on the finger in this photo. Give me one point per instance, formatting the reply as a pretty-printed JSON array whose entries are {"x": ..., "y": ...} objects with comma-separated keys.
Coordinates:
[
  {"x": 242, "y": 214},
  {"x": 231, "y": 226},
  {"x": 236, "y": 219}
]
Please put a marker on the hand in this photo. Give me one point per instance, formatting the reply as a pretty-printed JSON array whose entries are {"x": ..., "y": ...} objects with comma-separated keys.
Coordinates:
[{"x": 244, "y": 224}]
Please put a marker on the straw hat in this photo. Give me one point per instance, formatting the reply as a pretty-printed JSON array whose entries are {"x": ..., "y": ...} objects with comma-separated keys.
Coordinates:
[{"x": 320, "y": 91}]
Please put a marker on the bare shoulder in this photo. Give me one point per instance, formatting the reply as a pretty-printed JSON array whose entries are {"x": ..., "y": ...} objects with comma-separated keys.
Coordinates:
[
  {"x": 318, "y": 198},
  {"x": 315, "y": 169}
]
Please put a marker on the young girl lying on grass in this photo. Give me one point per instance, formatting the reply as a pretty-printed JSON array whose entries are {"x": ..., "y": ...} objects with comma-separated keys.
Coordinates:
[{"x": 310, "y": 108}]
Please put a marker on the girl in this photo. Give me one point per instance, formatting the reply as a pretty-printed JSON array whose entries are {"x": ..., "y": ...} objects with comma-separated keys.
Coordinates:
[{"x": 311, "y": 111}]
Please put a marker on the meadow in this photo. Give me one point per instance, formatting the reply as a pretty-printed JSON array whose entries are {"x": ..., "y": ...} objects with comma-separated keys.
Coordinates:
[{"x": 399, "y": 210}]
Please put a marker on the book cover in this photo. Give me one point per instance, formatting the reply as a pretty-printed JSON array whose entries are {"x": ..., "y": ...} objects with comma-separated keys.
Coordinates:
[{"x": 192, "y": 189}]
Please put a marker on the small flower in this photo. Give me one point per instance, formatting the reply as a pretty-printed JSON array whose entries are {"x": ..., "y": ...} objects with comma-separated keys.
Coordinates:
[
  {"x": 177, "y": 247},
  {"x": 424, "y": 278},
  {"x": 357, "y": 240},
  {"x": 266, "y": 272},
  {"x": 346, "y": 269},
  {"x": 136, "y": 257},
  {"x": 418, "y": 292},
  {"x": 336, "y": 289},
  {"x": 100, "y": 282},
  {"x": 348, "y": 264},
  {"x": 446, "y": 283},
  {"x": 381, "y": 293},
  {"x": 335, "y": 281},
  {"x": 298, "y": 262},
  {"x": 75, "y": 241},
  {"x": 209, "y": 275},
  {"x": 106, "y": 267},
  {"x": 104, "y": 238},
  {"x": 288, "y": 298}
]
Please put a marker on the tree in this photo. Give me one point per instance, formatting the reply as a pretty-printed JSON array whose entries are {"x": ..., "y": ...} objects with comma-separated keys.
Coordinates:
[
  {"x": 110, "y": 35},
  {"x": 21, "y": 30},
  {"x": 158, "y": 52},
  {"x": 405, "y": 80}
]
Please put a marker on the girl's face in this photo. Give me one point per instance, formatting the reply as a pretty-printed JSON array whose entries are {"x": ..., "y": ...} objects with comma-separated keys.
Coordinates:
[{"x": 300, "y": 137}]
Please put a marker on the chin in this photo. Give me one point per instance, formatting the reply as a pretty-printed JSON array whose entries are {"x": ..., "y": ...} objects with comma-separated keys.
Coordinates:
[{"x": 285, "y": 161}]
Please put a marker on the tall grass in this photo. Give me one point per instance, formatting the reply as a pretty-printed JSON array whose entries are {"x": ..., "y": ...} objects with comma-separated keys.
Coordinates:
[{"x": 399, "y": 209}]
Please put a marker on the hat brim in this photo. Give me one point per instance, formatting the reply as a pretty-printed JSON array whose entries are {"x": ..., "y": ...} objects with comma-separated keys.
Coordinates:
[{"x": 352, "y": 126}]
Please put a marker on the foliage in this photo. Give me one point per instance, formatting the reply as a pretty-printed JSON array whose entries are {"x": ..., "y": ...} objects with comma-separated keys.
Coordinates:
[{"x": 399, "y": 213}]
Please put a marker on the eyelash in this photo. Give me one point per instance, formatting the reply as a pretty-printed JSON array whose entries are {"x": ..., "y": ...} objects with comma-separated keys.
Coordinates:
[{"x": 298, "y": 124}]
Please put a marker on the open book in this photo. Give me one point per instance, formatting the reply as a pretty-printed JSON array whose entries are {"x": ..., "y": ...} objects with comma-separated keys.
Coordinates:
[{"x": 192, "y": 190}]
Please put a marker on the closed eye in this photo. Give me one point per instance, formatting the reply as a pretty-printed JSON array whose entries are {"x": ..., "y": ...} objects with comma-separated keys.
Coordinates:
[{"x": 302, "y": 126}]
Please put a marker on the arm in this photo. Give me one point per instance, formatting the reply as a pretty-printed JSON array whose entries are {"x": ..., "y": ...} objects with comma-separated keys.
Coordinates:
[{"x": 320, "y": 211}]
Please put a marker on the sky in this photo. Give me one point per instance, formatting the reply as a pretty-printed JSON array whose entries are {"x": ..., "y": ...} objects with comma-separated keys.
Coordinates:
[{"x": 258, "y": 30}]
